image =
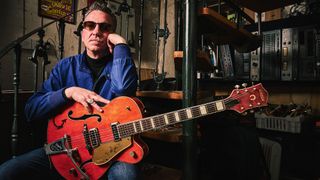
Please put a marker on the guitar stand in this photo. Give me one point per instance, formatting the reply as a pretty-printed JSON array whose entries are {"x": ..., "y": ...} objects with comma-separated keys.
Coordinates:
[{"x": 63, "y": 145}]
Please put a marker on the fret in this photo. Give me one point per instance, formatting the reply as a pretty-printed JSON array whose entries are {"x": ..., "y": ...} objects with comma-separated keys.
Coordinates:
[
  {"x": 141, "y": 126},
  {"x": 195, "y": 111},
  {"x": 146, "y": 123},
  {"x": 134, "y": 127},
  {"x": 182, "y": 114},
  {"x": 159, "y": 121},
  {"x": 121, "y": 130},
  {"x": 129, "y": 129},
  {"x": 137, "y": 125},
  {"x": 189, "y": 114},
  {"x": 176, "y": 115},
  {"x": 126, "y": 129},
  {"x": 210, "y": 108},
  {"x": 172, "y": 118},
  {"x": 203, "y": 110}
]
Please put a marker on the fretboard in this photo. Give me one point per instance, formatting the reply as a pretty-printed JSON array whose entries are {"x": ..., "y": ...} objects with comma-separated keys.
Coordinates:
[{"x": 162, "y": 120}]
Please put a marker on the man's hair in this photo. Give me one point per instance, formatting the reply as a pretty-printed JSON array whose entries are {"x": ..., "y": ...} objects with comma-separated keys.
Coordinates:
[{"x": 100, "y": 5}]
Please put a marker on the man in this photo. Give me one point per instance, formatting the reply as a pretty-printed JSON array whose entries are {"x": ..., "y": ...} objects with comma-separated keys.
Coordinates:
[{"x": 104, "y": 71}]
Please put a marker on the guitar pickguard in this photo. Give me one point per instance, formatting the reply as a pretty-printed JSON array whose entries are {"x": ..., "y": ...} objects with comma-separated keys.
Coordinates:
[{"x": 107, "y": 151}]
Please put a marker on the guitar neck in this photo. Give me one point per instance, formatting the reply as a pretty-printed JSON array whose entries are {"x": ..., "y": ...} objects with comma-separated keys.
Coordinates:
[{"x": 166, "y": 119}]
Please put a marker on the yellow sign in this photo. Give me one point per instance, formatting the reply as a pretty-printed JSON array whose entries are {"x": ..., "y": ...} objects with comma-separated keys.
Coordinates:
[{"x": 56, "y": 9}]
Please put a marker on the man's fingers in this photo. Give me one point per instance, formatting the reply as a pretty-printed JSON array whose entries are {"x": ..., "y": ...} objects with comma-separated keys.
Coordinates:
[
  {"x": 110, "y": 46},
  {"x": 86, "y": 106},
  {"x": 97, "y": 107},
  {"x": 100, "y": 99}
]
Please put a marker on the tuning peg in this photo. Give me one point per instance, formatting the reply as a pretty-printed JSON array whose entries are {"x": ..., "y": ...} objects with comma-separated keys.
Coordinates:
[
  {"x": 244, "y": 85},
  {"x": 237, "y": 86}
]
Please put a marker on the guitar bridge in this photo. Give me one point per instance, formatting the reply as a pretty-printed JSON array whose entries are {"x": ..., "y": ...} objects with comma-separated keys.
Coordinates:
[{"x": 63, "y": 145}]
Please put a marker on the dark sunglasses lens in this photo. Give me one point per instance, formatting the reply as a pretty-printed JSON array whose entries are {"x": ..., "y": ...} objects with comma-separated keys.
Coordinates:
[
  {"x": 89, "y": 25},
  {"x": 104, "y": 27}
]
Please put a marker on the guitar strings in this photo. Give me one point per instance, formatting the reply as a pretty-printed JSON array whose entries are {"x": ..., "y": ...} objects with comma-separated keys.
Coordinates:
[{"x": 106, "y": 134}]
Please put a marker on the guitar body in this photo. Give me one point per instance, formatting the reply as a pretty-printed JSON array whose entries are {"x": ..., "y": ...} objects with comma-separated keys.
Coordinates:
[{"x": 83, "y": 146}]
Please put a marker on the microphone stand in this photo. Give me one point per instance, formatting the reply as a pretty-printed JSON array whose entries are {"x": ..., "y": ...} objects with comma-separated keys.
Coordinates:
[
  {"x": 16, "y": 45},
  {"x": 39, "y": 51},
  {"x": 159, "y": 77},
  {"x": 16, "y": 82},
  {"x": 62, "y": 26},
  {"x": 140, "y": 38},
  {"x": 78, "y": 31}
]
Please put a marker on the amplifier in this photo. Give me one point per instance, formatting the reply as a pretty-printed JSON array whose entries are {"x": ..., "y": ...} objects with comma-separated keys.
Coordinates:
[
  {"x": 308, "y": 60},
  {"x": 271, "y": 57},
  {"x": 317, "y": 39},
  {"x": 289, "y": 55},
  {"x": 255, "y": 65},
  {"x": 242, "y": 65},
  {"x": 317, "y": 43},
  {"x": 226, "y": 61}
]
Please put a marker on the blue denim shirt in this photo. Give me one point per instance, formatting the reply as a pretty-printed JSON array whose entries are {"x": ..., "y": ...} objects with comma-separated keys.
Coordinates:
[{"x": 118, "y": 78}]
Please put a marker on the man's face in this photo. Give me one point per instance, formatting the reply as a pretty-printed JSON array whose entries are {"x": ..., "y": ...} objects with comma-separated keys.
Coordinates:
[{"x": 97, "y": 27}]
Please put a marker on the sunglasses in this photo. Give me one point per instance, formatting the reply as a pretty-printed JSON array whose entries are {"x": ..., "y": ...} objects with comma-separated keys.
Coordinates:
[{"x": 103, "y": 27}]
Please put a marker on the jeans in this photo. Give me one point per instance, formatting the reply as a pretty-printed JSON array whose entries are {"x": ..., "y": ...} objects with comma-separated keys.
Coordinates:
[{"x": 36, "y": 165}]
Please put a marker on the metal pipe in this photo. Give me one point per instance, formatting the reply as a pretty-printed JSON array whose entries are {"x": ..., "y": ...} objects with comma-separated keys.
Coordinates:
[
  {"x": 178, "y": 25},
  {"x": 166, "y": 34},
  {"x": 16, "y": 84},
  {"x": 62, "y": 26},
  {"x": 140, "y": 37},
  {"x": 79, "y": 31},
  {"x": 189, "y": 91}
]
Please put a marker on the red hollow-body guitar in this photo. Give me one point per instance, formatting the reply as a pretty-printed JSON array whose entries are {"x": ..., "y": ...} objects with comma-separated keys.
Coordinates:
[{"x": 83, "y": 145}]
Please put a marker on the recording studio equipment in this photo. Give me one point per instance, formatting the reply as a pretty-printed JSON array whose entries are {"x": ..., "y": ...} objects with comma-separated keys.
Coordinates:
[
  {"x": 40, "y": 50},
  {"x": 309, "y": 64},
  {"x": 318, "y": 43},
  {"x": 289, "y": 55},
  {"x": 271, "y": 57},
  {"x": 140, "y": 37},
  {"x": 78, "y": 31},
  {"x": 124, "y": 9},
  {"x": 163, "y": 33},
  {"x": 242, "y": 65},
  {"x": 16, "y": 45},
  {"x": 255, "y": 65},
  {"x": 226, "y": 61}
]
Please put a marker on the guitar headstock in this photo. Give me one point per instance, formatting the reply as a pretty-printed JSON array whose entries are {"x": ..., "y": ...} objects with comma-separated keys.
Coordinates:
[{"x": 247, "y": 98}]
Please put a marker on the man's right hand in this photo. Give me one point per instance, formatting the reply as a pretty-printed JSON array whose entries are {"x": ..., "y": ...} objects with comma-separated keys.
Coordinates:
[
  {"x": 114, "y": 39},
  {"x": 86, "y": 97}
]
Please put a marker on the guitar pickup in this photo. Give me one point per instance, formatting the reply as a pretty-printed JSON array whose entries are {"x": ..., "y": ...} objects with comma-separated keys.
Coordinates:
[{"x": 94, "y": 137}]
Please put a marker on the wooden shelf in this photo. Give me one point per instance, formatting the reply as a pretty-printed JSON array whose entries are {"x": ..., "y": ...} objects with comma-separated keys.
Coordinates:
[
  {"x": 264, "y": 5},
  {"x": 220, "y": 30},
  {"x": 203, "y": 61},
  {"x": 290, "y": 22},
  {"x": 178, "y": 95},
  {"x": 173, "y": 95}
]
